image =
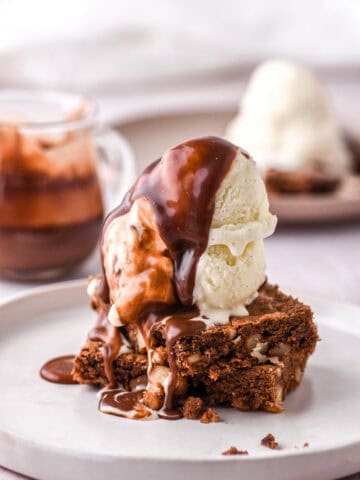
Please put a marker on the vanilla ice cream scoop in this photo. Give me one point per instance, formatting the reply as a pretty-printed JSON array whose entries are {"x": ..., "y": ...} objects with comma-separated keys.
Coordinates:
[
  {"x": 232, "y": 268},
  {"x": 286, "y": 122},
  {"x": 189, "y": 234}
]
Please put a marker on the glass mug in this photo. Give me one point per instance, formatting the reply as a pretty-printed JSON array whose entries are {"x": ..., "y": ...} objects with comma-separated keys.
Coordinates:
[{"x": 58, "y": 173}]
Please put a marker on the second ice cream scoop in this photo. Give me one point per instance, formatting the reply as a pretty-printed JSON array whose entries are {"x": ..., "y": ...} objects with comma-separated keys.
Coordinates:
[{"x": 286, "y": 122}]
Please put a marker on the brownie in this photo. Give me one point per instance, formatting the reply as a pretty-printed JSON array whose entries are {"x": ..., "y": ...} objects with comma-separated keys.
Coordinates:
[
  {"x": 301, "y": 181},
  {"x": 269, "y": 442},
  {"x": 130, "y": 368},
  {"x": 276, "y": 325},
  {"x": 261, "y": 387},
  {"x": 249, "y": 363},
  {"x": 353, "y": 143}
]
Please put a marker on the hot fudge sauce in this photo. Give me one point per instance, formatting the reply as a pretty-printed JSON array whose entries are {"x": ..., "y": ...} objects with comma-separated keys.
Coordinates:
[{"x": 51, "y": 206}]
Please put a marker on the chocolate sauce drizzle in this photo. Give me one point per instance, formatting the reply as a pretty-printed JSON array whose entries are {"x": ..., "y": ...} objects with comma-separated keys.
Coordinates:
[
  {"x": 181, "y": 189},
  {"x": 104, "y": 332},
  {"x": 179, "y": 325},
  {"x": 126, "y": 404}
]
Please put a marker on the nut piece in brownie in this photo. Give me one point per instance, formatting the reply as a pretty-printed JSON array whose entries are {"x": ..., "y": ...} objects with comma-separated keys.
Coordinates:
[{"x": 301, "y": 181}]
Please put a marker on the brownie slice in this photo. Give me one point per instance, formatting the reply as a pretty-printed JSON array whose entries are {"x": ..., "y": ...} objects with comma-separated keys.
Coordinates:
[
  {"x": 261, "y": 387},
  {"x": 277, "y": 324},
  {"x": 301, "y": 181},
  {"x": 249, "y": 363}
]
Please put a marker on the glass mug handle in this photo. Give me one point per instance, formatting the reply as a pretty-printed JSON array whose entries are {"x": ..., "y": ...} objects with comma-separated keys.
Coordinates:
[{"x": 116, "y": 166}]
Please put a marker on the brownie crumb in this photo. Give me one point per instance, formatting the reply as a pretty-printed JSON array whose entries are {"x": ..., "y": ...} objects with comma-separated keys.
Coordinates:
[
  {"x": 193, "y": 408},
  {"x": 210, "y": 416},
  {"x": 269, "y": 441},
  {"x": 306, "y": 444},
  {"x": 235, "y": 451}
]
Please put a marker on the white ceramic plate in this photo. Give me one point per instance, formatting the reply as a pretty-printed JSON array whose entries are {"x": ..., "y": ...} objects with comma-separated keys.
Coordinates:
[
  {"x": 55, "y": 432},
  {"x": 308, "y": 209},
  {"x": 151, "y": 136}
]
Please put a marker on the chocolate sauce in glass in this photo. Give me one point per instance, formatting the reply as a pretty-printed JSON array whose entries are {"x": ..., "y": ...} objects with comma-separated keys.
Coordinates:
[{"x": 58, "y": 370}]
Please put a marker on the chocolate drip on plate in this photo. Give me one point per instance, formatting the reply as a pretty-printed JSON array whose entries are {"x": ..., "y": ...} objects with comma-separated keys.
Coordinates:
[
  {"x": 124, "y": 404},
  {"x": 58, "y": 370}
]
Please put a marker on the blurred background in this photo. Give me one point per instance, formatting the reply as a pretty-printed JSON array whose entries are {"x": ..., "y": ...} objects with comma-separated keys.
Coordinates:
[{"x": 142, "y": 57}]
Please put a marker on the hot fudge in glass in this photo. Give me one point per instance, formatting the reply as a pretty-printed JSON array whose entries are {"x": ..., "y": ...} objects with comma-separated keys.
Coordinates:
[{"x": 51, "y": 207}]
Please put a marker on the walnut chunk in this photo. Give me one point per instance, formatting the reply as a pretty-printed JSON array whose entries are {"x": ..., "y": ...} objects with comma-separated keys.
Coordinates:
[
  {"x": 210, "y": 416},
  {"x": 273, "y": 407},
  {"x": 240, "y": 404},
  {"x": 154, "y": 399},
  {"x": 298, "y": 374},
  {"x": 230, "y": 332},
  {"x": 159, "y": 356},
  {"x": 194, "y": 358},
  {"x": 279, "y": 350},
  {"x": 252, "y": 341}
]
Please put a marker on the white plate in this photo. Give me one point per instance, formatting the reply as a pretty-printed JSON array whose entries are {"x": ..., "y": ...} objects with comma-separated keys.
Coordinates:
[
  {"x": 55, "y": 432},
  {"x": 151, "y": 136}
]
